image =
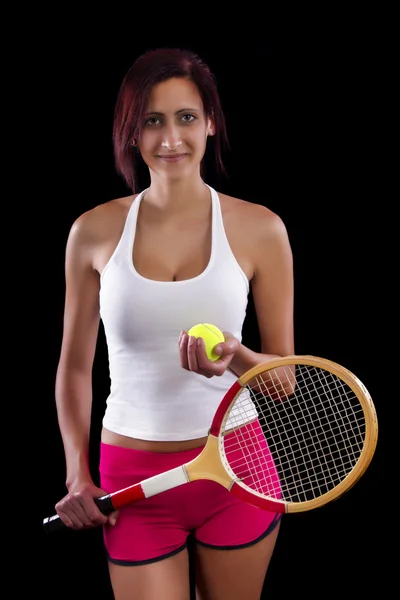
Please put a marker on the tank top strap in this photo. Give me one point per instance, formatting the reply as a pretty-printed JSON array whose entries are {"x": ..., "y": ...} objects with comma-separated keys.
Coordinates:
[
  {"x": 219, "y": 238},
  {"x": 217, "y": 222},
  {"x": 128, "y": 234},
  {"x": 222, "y": 250}
]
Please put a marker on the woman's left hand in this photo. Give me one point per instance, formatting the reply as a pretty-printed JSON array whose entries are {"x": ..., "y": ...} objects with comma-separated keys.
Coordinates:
[{"x": 193, "y": 355}]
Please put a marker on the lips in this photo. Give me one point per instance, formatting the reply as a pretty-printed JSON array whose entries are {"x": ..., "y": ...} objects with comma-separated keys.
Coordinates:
[{"x": 171, "y": 157}]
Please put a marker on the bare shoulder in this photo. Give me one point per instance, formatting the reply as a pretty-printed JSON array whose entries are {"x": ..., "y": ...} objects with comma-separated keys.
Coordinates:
[
  {"x": 102, "y": 221},
  {"x": 260, "y": 221},
  {"x": 94, "y": 235},
  {"x": 255, "y": 232}
]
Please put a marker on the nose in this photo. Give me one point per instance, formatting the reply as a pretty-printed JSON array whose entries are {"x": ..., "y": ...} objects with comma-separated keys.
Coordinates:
[
  {"x": 171, "y": 144},
  {"x": 171, "y": 140}
]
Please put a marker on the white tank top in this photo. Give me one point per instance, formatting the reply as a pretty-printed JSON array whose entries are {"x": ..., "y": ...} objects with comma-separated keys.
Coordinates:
[{"x": 151, "y": 396}]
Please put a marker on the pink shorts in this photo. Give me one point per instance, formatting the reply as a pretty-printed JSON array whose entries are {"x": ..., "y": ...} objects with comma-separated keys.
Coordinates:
[{"x": 159, "y": 526}]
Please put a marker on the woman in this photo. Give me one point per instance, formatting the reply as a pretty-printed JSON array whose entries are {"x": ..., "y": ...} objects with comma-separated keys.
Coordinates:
[{"x": 150, "y": 265}]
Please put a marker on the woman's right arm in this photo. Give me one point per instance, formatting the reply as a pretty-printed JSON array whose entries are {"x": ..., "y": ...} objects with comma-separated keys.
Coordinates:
[{"x": 73, "y": 389}]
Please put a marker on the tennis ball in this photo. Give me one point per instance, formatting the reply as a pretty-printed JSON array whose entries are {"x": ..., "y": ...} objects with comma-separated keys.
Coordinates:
[{"x": 211, "y": 336}]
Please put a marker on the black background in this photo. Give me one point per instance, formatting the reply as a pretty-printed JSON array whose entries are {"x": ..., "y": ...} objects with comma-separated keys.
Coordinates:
[{"x": 300, "y": 128}]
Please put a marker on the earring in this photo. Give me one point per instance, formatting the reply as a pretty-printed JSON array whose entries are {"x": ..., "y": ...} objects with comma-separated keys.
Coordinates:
[{"x": 133, "y": 143}]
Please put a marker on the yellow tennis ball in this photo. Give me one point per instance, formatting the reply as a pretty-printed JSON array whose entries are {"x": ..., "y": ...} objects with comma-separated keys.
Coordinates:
[{"x": 211, "y": 336}]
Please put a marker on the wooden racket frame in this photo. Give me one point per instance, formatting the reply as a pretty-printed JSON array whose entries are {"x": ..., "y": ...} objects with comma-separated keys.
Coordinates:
[{"x": 212, "y": 463}]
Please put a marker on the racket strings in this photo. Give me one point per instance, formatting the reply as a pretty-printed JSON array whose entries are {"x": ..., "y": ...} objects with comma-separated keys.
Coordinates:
[
  {"x": 294, "y": 433},
  {"x": 254, "y": 466}
]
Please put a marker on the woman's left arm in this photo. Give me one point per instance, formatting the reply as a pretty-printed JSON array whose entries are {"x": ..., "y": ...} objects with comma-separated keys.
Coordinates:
[{"x": 273, "y": 295}]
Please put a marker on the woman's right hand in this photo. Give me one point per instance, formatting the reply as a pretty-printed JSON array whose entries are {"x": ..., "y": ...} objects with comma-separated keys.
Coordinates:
[{"x": 78, "y": 509}]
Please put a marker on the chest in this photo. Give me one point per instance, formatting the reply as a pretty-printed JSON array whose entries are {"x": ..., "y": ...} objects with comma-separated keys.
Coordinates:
[{"x": 172, "y": 251}]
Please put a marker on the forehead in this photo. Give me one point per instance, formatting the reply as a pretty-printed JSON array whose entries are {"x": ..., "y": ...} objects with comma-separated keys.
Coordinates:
[{"x": 173, "y": 94}]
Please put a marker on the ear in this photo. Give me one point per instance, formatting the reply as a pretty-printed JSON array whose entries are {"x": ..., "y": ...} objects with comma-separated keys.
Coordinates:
[{"x": 211, "y": 126}]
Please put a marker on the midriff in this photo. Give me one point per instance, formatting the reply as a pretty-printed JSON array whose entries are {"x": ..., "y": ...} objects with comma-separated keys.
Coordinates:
[{"x": 115, "y": 439}]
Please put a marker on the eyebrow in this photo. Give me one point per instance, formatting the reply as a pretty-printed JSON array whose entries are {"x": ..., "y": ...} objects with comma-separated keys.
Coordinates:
[{"x": 181, "y": 110}]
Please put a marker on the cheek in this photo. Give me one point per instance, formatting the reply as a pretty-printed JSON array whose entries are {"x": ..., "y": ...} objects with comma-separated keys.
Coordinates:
[
  {"x": 199, "y": 139},
  {"x": 149, "y": 143}
]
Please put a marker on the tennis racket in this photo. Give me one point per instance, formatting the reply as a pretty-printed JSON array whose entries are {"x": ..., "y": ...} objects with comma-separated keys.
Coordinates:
[{"x": 290, "y": 435}]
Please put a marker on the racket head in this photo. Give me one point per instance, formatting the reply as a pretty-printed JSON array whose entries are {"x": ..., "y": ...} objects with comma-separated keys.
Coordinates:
[{"x": 295, "y": 433}]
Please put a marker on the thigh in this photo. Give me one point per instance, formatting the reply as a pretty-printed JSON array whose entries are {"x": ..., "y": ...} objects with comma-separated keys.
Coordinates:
[
  {"x": 150, "y": 530},
  {"x": 167, "y": 579},
  {"x": 227, "y": 521},
  {"x": 235, "y": 573}
]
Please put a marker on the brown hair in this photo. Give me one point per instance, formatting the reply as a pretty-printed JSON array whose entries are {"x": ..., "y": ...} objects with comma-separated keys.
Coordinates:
[{"x": 149, "y": 69}]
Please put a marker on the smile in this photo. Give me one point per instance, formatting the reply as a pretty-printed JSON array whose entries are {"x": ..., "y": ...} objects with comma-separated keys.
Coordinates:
[{"x": 172, "y": 157}]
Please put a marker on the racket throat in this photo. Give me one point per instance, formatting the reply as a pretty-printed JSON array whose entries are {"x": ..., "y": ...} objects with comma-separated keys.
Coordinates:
[
  {"x": 208, "y": 465},
  {"x": 164, "y": 481}
]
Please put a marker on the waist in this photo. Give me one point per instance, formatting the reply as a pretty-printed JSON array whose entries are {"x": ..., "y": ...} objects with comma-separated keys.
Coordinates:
[
  {"x": 176, "y": 408},
  {"x": 123, "y": 441}
]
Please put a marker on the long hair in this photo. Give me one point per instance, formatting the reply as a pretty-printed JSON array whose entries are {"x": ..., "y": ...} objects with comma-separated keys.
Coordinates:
[{"x": 151, "y": 68}]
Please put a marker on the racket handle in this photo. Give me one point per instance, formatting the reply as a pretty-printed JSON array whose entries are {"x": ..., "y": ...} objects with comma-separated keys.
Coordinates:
[{"x": 54, "y": 523}]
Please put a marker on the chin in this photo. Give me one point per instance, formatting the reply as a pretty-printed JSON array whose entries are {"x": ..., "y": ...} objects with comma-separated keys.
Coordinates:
[{"x": 176, "y": 171}]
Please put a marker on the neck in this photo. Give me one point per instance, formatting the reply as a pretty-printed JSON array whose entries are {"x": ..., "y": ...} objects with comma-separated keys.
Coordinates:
[{"x": 176, "y": 196}]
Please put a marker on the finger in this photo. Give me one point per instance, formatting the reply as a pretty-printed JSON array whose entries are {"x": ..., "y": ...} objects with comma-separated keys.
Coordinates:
[
  {"x": 74, "y": 523},
  {"x": 93, "y": 513},
  {"x": 207, "y": 367},
  {"x": 72, "y": 516},
  {"x": 86, "y": 511},
  {"x": 192, "y": 354},
  {"x": 216, "y": 368},
  {"x": 183, "y": 345}
]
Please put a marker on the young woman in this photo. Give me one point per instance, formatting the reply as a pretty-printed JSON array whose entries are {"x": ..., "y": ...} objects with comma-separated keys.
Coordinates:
[{"x": 150, "y": 265}]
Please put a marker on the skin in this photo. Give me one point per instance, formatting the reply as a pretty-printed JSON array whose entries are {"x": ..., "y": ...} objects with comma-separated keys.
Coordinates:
[{"x": 172, "y": 243}]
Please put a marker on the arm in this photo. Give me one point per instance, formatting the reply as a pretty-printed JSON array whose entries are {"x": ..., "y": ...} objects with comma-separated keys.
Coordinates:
[
  {"x": 73, "y": 389},
  {"x": 73, "y": 378},
  {"x": 273, "y": 293}
]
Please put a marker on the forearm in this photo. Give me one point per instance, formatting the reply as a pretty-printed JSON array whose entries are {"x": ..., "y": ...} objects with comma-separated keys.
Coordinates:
[
  {"x": 245, "y": 358},
  {"x": 280, "y": 382},
  {"x": 73, "y": 401}
]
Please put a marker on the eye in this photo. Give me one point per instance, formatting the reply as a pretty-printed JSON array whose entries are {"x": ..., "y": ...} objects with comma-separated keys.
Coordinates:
[
  {"x": 152, "y": 121},
  {"x": 188, "y": 118}
]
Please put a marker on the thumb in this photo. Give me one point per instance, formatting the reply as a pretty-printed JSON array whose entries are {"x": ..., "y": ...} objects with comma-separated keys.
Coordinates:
[
  {"x": 112, "y": 518},
  {"x": 230, "y": 345}
]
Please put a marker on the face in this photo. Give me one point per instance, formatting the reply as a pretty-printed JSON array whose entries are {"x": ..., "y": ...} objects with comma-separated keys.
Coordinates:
[{"x": 175, "y": 129}]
